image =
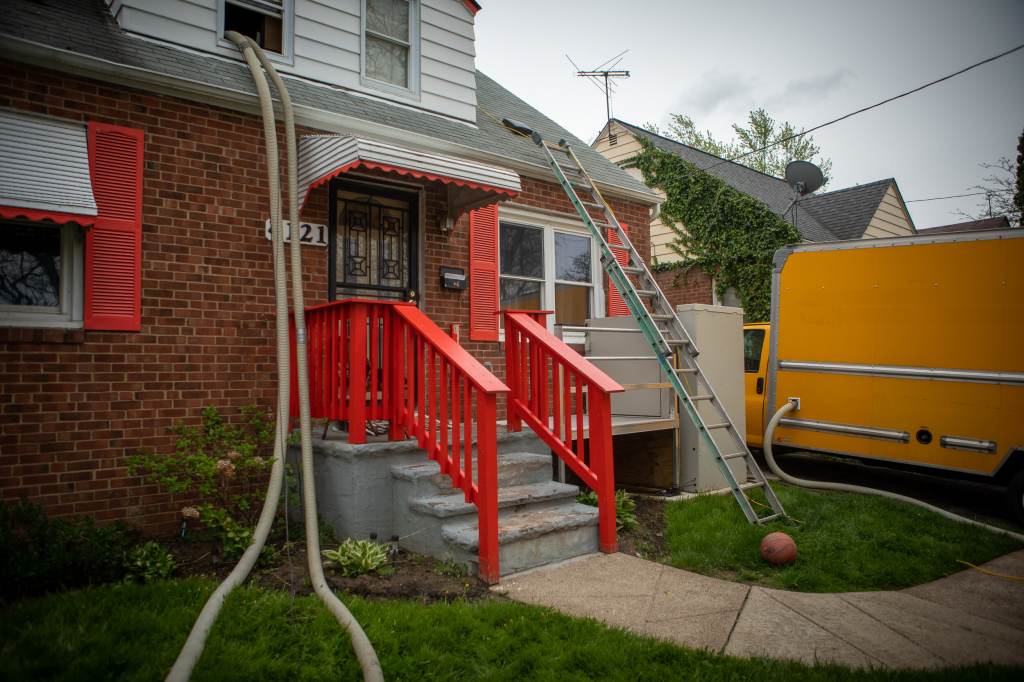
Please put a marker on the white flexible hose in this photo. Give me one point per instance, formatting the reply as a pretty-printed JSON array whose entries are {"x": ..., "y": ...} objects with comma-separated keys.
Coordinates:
[
  {"x": 193, "y": 648},
  {"x": 361, "y": 645},
  {"x": 769, "y": 433}
]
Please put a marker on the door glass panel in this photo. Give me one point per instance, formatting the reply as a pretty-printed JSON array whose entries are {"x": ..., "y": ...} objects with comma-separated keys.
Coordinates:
[
  {"x": 572, "y": 304},
  {"x": 373, "y": 244},
  {"x": 522, "y": 251},
  {"x": 29, "y": 265},
  {"x": 753, "y": 342},
  {"x": 572, "y": 257}
]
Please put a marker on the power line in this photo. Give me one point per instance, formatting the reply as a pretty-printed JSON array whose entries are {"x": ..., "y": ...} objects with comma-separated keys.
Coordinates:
[
  {"x": 868, "y": 108},
  {"x": 951, "y": 196}
]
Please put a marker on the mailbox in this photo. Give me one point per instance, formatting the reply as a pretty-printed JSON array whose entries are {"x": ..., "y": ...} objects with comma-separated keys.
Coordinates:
[{"x": 453, "y": 278}]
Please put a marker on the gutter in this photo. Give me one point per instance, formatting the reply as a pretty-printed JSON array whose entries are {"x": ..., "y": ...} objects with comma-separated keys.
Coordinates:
[{"x": 67, "y": 61}]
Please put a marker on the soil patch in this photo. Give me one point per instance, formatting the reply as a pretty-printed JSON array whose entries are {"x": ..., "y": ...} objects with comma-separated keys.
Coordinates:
[
  {"x": 647, "y": 539},
  {"x": 407, "y": 576}
]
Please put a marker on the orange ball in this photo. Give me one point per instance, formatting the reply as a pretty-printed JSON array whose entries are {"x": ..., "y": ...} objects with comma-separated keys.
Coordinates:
[{"x": 778, "y": 549}]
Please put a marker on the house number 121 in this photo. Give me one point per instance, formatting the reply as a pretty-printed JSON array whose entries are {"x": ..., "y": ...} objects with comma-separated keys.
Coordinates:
[{"x": 309, "y": 233}]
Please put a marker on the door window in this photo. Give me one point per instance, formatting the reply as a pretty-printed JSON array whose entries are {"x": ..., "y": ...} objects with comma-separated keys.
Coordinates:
[{"x": 753, "y": 343}]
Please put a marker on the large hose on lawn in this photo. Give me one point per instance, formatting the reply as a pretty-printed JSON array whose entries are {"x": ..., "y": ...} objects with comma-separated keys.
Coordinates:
[
  {"x": 769, "y": 433},
  {"x": 193, "y": 648},
  {"x": 360, "y": 642}
]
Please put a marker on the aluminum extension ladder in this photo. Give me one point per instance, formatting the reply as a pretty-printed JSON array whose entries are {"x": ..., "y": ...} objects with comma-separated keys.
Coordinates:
[{"x": 672, "y": 345}]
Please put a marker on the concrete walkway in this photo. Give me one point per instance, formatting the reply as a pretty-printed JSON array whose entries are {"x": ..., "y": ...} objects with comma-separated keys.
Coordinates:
[{"x": 965, "y": 618}]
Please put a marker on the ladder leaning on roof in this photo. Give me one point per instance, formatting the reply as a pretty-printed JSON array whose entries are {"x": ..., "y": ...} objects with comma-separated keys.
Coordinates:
[{"x": 664, "y": 333}]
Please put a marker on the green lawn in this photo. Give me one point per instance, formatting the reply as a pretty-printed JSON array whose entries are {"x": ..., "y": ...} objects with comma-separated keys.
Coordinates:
[
  {"x": 845, "y": 542},
  {"x": 133, "y": 632}
]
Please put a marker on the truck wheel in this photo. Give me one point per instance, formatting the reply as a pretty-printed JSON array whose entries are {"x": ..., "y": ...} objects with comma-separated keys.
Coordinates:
[{"x": 1015, "y": 497}]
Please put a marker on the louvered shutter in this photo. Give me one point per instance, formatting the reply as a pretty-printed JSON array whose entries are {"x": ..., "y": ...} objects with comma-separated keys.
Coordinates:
[
  {"x": 113, "y": 247},
  {"x": 483, "y": 273},
  {"x": 616, "y": 304}
]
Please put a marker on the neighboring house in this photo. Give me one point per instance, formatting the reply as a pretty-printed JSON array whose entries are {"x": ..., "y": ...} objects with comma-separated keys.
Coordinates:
[
  {"x": 865, "y": 211},
  {"x": 134, "y": 209},
  {"x": 997, "y": 223}
]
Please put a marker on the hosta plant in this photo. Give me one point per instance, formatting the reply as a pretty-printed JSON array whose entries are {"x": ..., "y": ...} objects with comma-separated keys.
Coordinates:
[{"x": 357, "y": 557}]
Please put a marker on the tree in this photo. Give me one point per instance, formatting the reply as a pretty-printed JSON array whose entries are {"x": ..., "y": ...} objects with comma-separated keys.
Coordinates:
[
  {"x": 1018, "y": 197},
  {"x": 1002, "y": 188},
  {"x": 762, "y": 131}
]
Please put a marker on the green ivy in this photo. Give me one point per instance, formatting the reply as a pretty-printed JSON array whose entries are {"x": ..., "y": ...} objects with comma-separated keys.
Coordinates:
[{"x": 729, "y": 235}]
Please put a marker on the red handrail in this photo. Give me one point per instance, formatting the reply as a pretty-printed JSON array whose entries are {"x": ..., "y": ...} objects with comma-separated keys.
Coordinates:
[
  {"x": 377, "y": 360},
  {"x": 550, "y": 383}
]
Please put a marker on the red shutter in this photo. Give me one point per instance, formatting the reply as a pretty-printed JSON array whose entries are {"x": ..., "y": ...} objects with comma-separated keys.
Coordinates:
[
  {"x": 616, "y": 304},
  {"x": 483, "y": 273},
  {"x": 113, "y": 247}
]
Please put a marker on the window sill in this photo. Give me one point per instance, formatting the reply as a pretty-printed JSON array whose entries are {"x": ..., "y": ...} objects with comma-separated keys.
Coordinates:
[{"x": 381, "y": 89}]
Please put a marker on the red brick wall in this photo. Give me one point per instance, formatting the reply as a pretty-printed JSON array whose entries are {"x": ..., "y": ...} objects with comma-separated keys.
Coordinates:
[
  {"x": 73, "y": 404},
  {"x": 692, "y": 285}
]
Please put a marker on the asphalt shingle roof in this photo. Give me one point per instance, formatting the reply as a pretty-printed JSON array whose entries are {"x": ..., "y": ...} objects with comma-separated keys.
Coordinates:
[
  {"x": 839, "y": 215},
  {"x": 87, "y": 28}
]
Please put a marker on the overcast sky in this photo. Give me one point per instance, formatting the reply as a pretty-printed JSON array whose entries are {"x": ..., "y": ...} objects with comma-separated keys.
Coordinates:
[{"x": 804, "y": 62}]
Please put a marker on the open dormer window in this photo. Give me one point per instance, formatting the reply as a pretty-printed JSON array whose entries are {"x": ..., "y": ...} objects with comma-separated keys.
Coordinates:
[
  {"x": 390, "y": 42},
  {"x": 268, "y": 22}
]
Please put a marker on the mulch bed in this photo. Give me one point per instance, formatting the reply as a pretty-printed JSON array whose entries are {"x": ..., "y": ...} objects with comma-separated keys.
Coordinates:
[
  {"x": 411, "y": 576},
  {"x": 647, "y": 539}
]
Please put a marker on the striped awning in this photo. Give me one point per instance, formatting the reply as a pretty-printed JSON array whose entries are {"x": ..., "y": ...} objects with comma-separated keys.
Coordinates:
[
  {"x": 471, "y": 184},
  {"x": 44, "y": 169}
]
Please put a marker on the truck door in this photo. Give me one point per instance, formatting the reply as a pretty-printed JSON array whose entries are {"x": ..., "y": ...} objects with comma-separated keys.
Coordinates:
[{"x": 755, "y": 364}]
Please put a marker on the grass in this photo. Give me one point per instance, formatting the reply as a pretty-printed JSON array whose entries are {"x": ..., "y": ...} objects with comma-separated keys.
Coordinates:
[
  {"x": 845, "y": 542},
  {"x": 133, "y": 632}
]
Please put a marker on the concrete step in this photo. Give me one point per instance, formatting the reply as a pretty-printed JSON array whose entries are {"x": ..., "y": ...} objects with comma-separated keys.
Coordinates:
[
  {"x": 537, "y": 495},
  {"x": 514, "y": 468},
  {"x": 531, "y": 537}
]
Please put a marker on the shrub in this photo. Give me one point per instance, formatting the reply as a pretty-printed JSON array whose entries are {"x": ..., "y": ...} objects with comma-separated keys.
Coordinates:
[
  {"x": 225, "y": 465},
  {"x": 625, "y": 507},
  {"x": 39, "y": 554},
  {"x": 356, "y": 557},
  {"x": 149, "y": 561}
]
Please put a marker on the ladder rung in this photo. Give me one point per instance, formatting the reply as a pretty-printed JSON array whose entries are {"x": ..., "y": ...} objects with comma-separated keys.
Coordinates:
[
  {"x": 748, "y": 486},
  {"x": 632, "y": 271},
  {"x": 734, "y": 455},
  {"x": 706, "y": 396},
  {"x": 568, "y": 328},
  {"x": 720, "y": 425},
  {"x": 677, "y": 342},
  {"x": 591, "y": 204},
  {"x": 662, "y": 318},
  {"x": 646, "y": 292},
  {"x": 770, "y": 517},
  {"x": 621, "y": 357},
  {"x": 686, "y": 370}
]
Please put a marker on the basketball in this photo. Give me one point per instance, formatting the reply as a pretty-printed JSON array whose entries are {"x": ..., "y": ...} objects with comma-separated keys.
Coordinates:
[{"x": 778, "y": 549}]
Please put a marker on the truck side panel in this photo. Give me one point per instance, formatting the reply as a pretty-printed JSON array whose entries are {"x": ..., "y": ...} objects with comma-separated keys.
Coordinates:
[{"x": 951, "y": 309}]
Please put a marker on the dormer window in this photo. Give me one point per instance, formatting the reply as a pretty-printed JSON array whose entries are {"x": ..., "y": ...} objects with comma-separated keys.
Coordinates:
[
  {"x": 268, "y": 22},
  {"x": 391, "y": 44}
]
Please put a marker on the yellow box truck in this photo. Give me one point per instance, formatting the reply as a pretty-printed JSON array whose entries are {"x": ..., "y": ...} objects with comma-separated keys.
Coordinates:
[{"x": 908, "y": 351}]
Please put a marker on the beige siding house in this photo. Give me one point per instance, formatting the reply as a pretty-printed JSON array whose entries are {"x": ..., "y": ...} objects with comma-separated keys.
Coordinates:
[{"x": 868, "y": 211}]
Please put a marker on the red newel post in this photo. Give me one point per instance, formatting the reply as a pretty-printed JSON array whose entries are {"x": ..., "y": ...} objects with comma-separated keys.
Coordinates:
[
  {"x": 602, "y": 461},
  {"x": 487, "y": 486},
  {"x": 396, "y": 359},
  {"x": 357, "y": 384},
  {"x": 512, "y": 374}
]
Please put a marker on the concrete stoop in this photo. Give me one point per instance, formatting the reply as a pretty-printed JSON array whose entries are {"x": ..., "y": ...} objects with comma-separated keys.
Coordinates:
[{"x": 539, "y": 520}]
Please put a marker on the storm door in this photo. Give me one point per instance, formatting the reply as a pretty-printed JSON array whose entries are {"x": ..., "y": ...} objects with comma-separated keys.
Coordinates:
[{"x": 372, "y": 242}]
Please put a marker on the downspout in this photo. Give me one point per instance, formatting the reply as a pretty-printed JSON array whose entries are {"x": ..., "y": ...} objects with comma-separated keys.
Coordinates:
[
  {"x": 769, "y": 433},
  {"x": 193, "y": 648}
]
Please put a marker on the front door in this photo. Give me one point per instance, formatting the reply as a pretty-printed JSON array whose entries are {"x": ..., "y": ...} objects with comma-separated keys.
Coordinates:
[
  {"x": 755, "y": 369},
  {"x": 372, "y": 241}
]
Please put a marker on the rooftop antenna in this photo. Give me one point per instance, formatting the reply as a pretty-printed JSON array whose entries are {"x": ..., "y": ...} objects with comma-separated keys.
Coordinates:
[
  {"x": 804, "y": 177},
  {"x": 606, "y": 72}
]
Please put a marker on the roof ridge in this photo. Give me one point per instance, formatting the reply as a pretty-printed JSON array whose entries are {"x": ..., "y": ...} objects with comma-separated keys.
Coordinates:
[{"x": 851, "y": 187}]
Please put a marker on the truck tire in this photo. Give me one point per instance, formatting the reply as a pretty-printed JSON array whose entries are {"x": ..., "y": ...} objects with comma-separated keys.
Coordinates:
[{"x": 1015, "y": 497}]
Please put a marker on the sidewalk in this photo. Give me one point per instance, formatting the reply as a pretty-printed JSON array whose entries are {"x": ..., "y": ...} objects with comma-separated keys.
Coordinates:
[{"x": 965, "y": 618}]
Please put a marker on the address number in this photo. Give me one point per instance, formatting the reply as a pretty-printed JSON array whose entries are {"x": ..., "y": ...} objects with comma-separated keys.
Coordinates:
[{"x": 309, "y": 233}]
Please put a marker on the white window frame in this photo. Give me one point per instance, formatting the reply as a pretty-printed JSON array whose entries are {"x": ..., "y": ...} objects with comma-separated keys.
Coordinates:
[
  {"x": 287, "y": 56},
  {"x": 412, "y": 89},
  {"x": 552, "y": 224},
  {"x": 68, "y": 315}
]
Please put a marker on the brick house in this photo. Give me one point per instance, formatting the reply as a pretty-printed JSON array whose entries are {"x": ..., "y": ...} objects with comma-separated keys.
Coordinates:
[{"x": 137, "y": 283}]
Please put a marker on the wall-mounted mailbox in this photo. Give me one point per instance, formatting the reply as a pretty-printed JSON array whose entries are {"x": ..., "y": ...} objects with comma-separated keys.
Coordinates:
[{"x": 453, "y": 278}]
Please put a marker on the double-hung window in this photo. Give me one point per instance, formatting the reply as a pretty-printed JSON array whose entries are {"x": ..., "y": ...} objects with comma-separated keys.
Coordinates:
[
  {"x": 391, "y": 44},
  {"x": 545, "y": 267}
]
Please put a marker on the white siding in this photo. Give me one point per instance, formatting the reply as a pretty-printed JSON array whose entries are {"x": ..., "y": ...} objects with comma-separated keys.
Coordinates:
[
  {"x": 327, "y": 43},
  {"x": 890, "y": 220},
  {"x": 625, "y": 148}
]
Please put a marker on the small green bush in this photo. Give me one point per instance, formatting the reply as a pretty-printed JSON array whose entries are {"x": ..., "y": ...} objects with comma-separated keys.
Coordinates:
[
  {"x": 39, "y": 554},
  {"x": 625, "y": 507},
  {"x": 356, "y": 557},
  {"x": 149, "y": 561},
  {"x": 223, "y": 464},
  {"x": 451, "y": 569}
]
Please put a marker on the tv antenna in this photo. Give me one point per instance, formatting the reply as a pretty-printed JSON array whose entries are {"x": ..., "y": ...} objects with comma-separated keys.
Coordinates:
[
  {"x": 804, "y": 177},
  {"x": 605, "y": 71}
]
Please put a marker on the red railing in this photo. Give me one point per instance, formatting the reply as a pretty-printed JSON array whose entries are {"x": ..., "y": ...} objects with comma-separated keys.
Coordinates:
[
  {"x": 374, "y": 360},
  {"x": 553, "y": 387}
]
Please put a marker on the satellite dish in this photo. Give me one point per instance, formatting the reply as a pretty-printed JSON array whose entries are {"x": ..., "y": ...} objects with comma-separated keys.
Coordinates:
[{"x": 804, "y": 177}]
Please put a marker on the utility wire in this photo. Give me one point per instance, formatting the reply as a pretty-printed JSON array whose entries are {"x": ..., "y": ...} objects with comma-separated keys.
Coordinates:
[
  {"x": 957, "y": 196},
  {"x": 868, "y": 108}
]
